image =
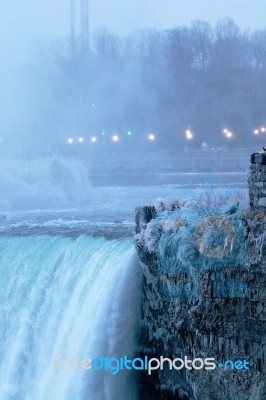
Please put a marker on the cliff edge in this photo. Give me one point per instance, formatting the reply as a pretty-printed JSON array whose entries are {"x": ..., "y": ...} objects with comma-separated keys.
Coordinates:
[{"x": 204, "y": 267}]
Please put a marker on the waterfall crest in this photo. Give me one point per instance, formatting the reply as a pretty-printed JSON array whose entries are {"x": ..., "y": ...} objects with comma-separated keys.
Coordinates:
[{"x": 77, "y": 298}]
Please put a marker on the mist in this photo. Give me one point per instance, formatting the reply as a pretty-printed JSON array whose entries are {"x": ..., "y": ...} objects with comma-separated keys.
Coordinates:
[
  {"x": 113, "y": 99},
  {"x": 129, "y": 223},
  {"x": 150, "y": 82},
  {"x": 198, "y": 76}
]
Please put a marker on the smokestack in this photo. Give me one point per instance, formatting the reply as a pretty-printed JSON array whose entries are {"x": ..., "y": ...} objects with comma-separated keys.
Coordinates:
[
  {"x": 84, "y": 25},
  {"x": 72, "y": 28}
]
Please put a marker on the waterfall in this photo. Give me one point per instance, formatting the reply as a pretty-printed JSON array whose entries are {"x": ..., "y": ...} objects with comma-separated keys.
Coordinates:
[{"x": 73, "y": 298}]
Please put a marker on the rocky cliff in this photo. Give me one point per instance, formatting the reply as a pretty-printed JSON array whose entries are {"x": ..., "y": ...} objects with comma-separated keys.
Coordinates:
[{"x": 204, "y": 268}]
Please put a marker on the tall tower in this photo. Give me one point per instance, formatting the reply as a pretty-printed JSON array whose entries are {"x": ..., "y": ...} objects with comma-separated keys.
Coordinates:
[
  {"x": 84, "y": 13},
  {"x": 79, "y": 33},
  {"x": 72, "y": 27}
]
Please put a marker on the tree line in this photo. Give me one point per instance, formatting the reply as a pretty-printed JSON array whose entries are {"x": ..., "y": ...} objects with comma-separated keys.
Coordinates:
[{"x": 201, "y": 78}]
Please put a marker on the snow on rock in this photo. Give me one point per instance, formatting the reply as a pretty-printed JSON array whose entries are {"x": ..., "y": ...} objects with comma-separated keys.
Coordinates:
[{"x": 204, "y": 267}]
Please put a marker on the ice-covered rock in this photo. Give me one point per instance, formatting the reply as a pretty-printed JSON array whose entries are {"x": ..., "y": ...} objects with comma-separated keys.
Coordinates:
[
  {"x": 205, "y": 294},
  {"x": 257, "y": 180}
]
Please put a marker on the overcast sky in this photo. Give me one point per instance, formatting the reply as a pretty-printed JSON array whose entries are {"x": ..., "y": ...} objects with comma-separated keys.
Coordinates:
[{"x": 51, "y": 17}]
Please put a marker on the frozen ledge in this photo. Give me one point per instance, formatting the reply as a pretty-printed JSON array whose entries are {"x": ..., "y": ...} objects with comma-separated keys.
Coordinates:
[{"x": 204, "y": 293}]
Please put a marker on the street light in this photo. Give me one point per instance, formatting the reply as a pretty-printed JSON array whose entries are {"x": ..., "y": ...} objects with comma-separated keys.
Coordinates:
[
  {"x": 115, "y": 138},
  {"x": 227, "y": 133},
  {"x": 151, "y": 137},
  {"x": 93, "y": 139},
  {"x": 81, "y": 140},
  {"x": 70, "y": 140},
  {"x": 189, "y": 134},
  {"x": 260, "y": 130}
]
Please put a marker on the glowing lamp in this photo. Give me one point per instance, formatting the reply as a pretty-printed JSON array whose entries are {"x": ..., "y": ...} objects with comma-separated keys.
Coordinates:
[{"x": 151, "y": 137}]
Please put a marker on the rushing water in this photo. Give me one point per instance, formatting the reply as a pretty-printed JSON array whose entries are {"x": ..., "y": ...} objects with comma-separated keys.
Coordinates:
[
  {"x": 70, "y": 281},
  {"x": 77, "y": 296}
]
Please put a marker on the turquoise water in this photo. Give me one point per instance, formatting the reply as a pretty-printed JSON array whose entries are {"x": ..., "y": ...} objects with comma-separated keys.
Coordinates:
[
  {"x": 73, "y": 296},
  {"x": 70, "y": 285}
]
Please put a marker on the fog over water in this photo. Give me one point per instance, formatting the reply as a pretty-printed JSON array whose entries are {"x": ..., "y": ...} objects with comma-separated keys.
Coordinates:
[
  {"x": 149, "y": 68},
  {"x": 93, "y": 123}
]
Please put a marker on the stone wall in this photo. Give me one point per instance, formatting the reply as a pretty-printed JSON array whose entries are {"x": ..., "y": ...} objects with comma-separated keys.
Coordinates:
[{"x": 257, "y": 180}]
